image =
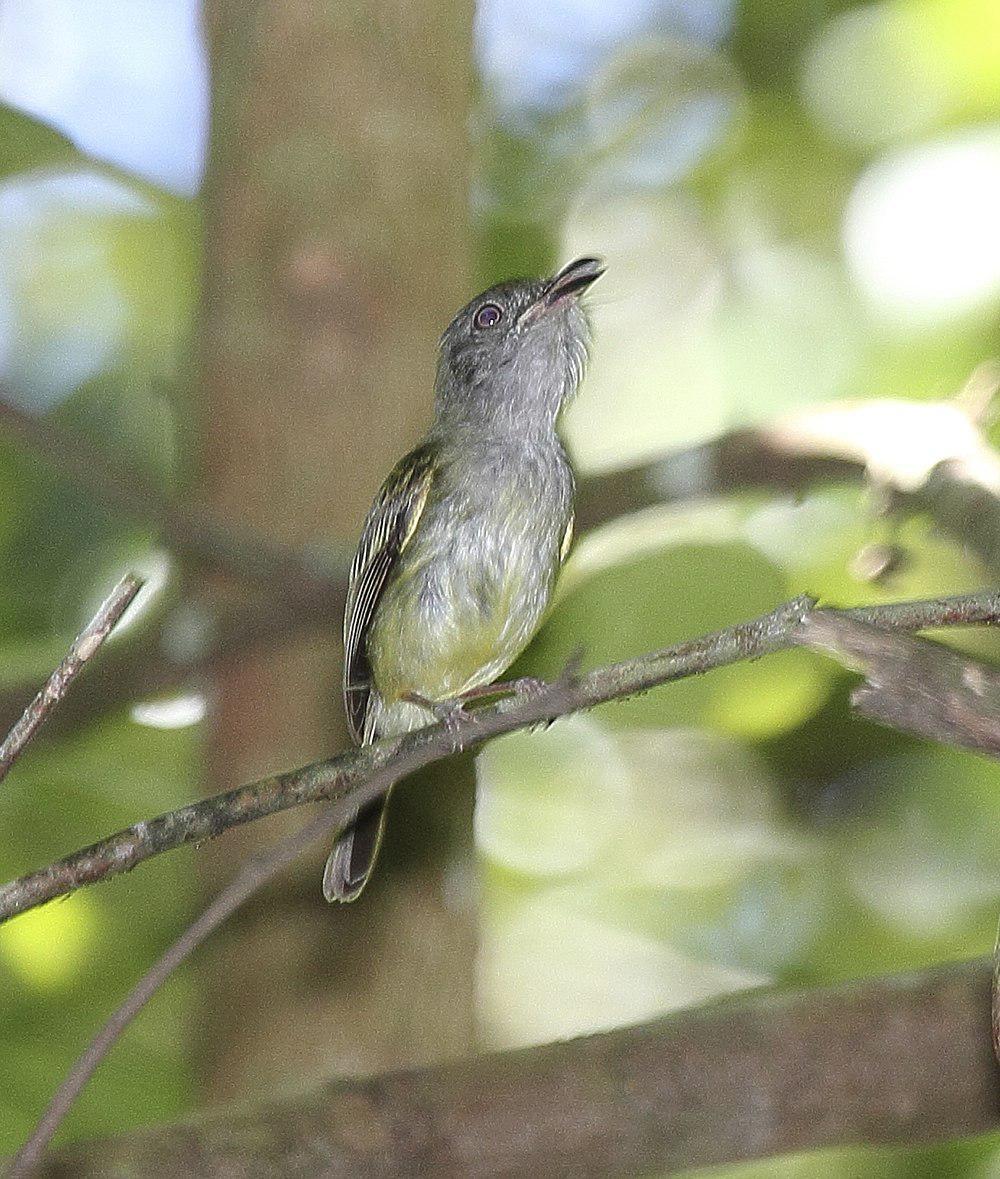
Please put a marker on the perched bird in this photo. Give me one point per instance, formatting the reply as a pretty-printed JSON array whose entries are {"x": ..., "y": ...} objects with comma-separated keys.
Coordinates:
[{"x": 460, "y": 550}]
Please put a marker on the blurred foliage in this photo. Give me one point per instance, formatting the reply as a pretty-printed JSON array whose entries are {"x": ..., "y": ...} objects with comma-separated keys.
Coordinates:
[
  {"x": 66, "y": 966},
  {"x": 797, "y": 203}
]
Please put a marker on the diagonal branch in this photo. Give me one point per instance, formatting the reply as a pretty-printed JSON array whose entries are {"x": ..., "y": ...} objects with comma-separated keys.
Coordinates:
[
  {"x": 87, "y": 643},
  {"x": 361, "y": 775},
  {"x": 956, "y": 483},
  {"x": 255, "y": 873}
]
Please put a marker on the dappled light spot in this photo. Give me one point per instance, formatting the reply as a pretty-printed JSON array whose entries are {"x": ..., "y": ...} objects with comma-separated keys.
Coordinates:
[
  {"x": 921, "y": 230},
  {"x": 679, "y": 877},
  {"x": 177, "y": 712},
  {"x": 152, "y": 566},
  {"x": 547, "y": 804},
  {"x": 64, "y": 311},
  {"x": 552, "y": 970},
  {"x": 93, "y": 277},
  {"x": 647, "y": 387},
  {"x": 871, "y": 76},
  {"x": 46, "y": 948}
]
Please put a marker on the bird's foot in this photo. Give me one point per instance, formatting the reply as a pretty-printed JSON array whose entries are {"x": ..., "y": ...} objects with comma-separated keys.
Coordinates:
[
  {"x": 527, "y": 685},
  {"x": 449, "y": 712},
  {"x": 452, "y": 712},
  {"x": 513, "y": 690}
]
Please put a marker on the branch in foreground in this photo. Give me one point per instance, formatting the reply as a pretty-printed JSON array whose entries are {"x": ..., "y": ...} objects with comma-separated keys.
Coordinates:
[
  {"x": 887, "y": 1061},
  {"x": 87, "y": 643},
  {"x": 995, "y": 997},
  {"x": 361, "y": 775}
]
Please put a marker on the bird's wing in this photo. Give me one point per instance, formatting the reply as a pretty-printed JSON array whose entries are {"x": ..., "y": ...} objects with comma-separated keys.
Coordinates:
[
  {"x": 567, "y": 540},
  {"x": 390, "y": 525}
]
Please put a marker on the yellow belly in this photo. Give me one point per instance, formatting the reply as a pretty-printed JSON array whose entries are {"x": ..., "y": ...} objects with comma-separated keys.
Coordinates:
[{"x": 443, "y": 632}]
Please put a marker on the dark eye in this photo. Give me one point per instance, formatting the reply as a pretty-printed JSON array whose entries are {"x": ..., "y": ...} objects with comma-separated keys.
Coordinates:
[{"x": 488, "y": 315}]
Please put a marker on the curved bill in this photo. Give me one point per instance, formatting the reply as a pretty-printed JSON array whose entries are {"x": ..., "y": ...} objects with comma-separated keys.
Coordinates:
[{"x": 574, "y": 278}]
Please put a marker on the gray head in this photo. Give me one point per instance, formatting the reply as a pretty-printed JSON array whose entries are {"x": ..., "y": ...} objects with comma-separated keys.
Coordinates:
[{"x": 514, "y": 356}]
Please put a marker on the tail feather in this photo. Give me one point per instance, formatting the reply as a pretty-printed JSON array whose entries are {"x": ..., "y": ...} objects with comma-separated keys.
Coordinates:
[{"x": 353, "y": 856}]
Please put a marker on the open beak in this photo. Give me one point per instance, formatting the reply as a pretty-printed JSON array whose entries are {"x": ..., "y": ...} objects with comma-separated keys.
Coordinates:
[{"x": 573, "y": 279}]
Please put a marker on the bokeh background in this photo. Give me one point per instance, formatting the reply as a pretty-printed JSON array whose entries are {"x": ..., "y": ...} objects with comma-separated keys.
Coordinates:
[{"x": 797, "y": 203}]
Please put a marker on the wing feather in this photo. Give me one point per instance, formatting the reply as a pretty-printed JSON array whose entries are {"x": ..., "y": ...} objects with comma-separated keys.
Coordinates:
[
  {"x": 567, "y": 540},
  {"x": 390, "y": 525}
]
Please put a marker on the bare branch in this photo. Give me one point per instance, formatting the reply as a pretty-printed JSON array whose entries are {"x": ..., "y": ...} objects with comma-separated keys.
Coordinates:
[
  {"x": 913, "y": 685},
  {"x": 254, "y": 874},
  {"x": 995, "y": 997},
  {"x": 957, "y": 488},
  {"x": 361, "y": 775},
  {"x": 85, "y": 646},
  {"x": 888, "y": 1061}
]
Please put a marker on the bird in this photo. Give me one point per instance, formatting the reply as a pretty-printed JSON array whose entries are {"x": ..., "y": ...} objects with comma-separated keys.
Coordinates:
[{"x": 459, "y": 552}]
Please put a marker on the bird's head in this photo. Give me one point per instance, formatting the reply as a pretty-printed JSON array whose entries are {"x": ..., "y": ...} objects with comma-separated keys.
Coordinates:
[{"x": 515, "y": 354}]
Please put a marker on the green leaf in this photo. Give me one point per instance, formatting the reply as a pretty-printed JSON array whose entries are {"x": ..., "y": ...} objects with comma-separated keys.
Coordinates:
[{"x": 27, "y": 143}]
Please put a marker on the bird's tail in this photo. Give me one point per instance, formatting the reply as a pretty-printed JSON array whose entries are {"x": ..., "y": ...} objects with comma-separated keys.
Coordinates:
[{"x": 353, "y": 856}]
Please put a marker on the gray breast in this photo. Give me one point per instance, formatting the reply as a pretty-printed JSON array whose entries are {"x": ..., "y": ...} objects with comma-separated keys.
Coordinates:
[{"x": 493, "y": 534}]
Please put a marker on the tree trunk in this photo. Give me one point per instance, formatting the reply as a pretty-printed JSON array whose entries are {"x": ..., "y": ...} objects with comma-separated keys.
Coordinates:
[{"x": 337, "y": 248}]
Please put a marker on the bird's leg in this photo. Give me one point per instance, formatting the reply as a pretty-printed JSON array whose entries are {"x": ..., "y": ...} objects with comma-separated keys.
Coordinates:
[
  {"x": 523, "y": 688},
  {"x": 449, "y": 712},
  {"x": 527, "y": 685}
]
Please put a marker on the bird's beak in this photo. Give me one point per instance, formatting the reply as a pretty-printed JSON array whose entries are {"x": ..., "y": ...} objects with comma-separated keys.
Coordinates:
[{"x": 573, "y": 279}]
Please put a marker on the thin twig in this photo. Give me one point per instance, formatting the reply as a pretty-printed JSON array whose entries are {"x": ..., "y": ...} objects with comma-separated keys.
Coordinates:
[
  {"x": 253, "y": 876},
  {"x": 362, "y": 775},
  {"x": 849, "y": 633},
  {"x": 995, "y": 997},
  {"x": 85, "y": 646}
]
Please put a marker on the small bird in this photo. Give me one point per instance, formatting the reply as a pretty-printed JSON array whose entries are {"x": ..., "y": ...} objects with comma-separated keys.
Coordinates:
[{"x": 460, "y": 550}]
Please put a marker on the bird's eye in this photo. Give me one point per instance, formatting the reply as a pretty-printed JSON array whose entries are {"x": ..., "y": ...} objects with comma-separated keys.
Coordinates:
[{"x": 488, "y": 315}]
